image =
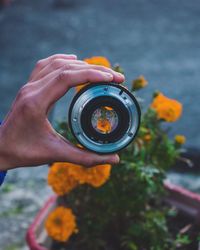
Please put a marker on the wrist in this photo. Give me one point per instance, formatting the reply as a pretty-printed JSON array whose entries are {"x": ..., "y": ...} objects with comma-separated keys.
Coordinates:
[{"x": 4, "y": 154}]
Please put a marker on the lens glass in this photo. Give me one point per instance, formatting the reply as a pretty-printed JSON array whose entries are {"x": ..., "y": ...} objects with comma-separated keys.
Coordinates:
[{"x": 104, "y": 120}]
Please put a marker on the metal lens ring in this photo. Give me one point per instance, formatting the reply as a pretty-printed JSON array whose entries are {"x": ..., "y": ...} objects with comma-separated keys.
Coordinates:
[
  {"x": 104, "y": 117},
  {"x": 99, "y": 124}
]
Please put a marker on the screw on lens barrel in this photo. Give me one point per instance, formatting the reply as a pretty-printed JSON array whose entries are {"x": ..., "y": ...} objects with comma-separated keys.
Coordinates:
[{"x": 104, "y": 117}]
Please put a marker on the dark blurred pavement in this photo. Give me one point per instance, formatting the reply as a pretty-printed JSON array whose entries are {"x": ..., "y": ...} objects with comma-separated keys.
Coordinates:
[{"x": 159, "y": 39}]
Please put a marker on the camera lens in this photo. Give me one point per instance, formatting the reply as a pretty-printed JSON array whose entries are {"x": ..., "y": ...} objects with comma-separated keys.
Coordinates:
[{"x": 104, "y": 117}]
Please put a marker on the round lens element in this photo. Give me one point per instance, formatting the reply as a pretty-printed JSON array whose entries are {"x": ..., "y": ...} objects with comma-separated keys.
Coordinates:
[{"x": 104, "y": 120}]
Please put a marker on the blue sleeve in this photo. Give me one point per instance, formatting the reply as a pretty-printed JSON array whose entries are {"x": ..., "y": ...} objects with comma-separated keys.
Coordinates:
[{"x": 2, "y": 174}]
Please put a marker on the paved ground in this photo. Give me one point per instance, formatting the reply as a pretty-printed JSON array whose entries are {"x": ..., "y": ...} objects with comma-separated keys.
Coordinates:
[{"x": 157, "y": 38}]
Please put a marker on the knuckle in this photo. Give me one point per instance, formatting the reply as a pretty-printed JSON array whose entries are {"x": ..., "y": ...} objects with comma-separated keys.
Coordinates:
[
  {"x": 63, "y": 76},
  {"x": 27, "y": 102},
  {"x": 56, "y": 56},
  {"x": 23, "y": 92},
  {"x": 29, "y": 107},
  {"x": 67, "y": 66},
  {"x": 55, "y": 63},
  {"x": 99, "y": 67}
]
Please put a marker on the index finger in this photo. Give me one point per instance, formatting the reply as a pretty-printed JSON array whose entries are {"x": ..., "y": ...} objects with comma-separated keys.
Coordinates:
[
  {"x": 44, "y": 62},
  {"x": 64, "y": 80}
]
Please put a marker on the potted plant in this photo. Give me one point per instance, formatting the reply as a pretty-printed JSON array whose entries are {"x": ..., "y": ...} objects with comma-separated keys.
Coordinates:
[{"x": 117, "y": 207}]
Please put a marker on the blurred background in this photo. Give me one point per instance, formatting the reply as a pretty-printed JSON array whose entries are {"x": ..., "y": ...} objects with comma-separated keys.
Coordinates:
[{"x": 158, "y": 39}]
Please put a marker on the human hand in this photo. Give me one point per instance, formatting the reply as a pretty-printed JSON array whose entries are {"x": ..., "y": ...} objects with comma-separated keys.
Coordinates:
[{"x": 26, "y": 135}]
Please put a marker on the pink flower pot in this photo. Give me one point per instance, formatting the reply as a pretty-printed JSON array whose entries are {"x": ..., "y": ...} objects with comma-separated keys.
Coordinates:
[
  {"x": 184, "y": 200},
  {"x": 36, "y": 237}
]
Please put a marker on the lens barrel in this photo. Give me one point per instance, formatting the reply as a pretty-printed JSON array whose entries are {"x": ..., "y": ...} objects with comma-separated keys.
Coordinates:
[{"x": 104, "y": 117}]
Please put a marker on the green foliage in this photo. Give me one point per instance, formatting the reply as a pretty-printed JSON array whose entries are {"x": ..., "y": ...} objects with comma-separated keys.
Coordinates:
[
  {"x": 127, "y": 212},
  {"x": 13, "y": 247},
  {"x": 198, "y": 238},
  {"x": 12, "y": 212},
  {"x": 7, "y": 188},
  {"x": 182, "y": 240}
]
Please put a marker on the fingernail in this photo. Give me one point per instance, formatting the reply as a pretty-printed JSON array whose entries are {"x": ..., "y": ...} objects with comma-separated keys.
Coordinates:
[
  {"x": 120, "y": 75},
  {"x": 108, "y": 76},
  {"x": 114, "y": 159}
]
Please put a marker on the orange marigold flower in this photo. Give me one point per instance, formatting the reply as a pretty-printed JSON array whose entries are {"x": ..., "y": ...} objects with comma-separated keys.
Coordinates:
[
  {"x": 97, "y": 60},
  {"x": 180, "y": 139},
  {"x": 104, "y": 125},
  {"x": 61, "y": 224},
  {"x": 167, "y": 109},
  {"x": 64, "y": 176},
  {"x": 98, "y": 175},
  {"x": 147, "y": 138},
  {"x": 79, "y": 87},
  {"x": 108, "y": 108},
  {"x": 139, "y": 83}
]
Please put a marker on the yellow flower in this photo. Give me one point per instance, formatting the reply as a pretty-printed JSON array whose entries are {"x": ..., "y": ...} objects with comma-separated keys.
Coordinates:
[
  {"x": 96, "y": 60},
  {"x": 61, "y": 224},
  {"x": 63, "y": 177},
  {"x": 139, "y": 83},
  {"x": 167, "y": 109},
  {"x": 98, "y": 175},
  {"x": 180, "y": 139}
]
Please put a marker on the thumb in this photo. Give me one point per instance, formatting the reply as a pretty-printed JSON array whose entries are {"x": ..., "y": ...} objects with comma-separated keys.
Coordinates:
[{"x": 67, "y": 152}]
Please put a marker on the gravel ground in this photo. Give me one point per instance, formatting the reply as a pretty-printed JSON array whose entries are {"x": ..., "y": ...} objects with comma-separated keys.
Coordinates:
[
  {"x": 22, "y": 195},
  {"x": 157, "y": 38}
]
